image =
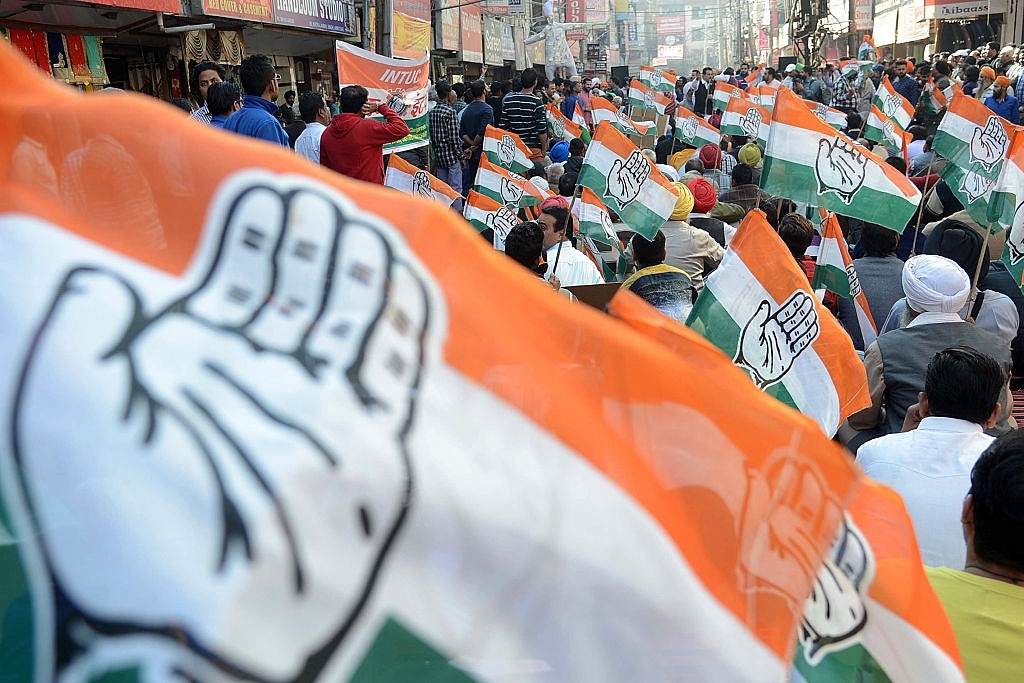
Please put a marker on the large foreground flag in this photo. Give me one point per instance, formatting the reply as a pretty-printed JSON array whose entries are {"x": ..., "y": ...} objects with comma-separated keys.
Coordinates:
[
  {"x": 596, "y": 228},
  {"x": 627, "y": 182},
  {"x": 251, "y": 418},
  {"x": 403, "y": 176},
  {"x": 743, "y": 117},
  {"x": 506, "y": 150},
  {"x": 561, "y": 127},
  {"x": 604, "y": 111},
  {"x": 656, "y": 80},
  {"x": 483, "y": 213},
  {"x": 644, "y": 97},
  {"x": 808, "y": 161},
  {"x": 694, "y": 130},
  {"x": 834, "y": 271},
  {"x": 889, "y": 118},
  {"x": 725, "y": 92},
  {"x": 507, "y": 187},
  {"x": 873, "y": 615},
  {"x": 975, "y": 141},
  {"x": 759, "y": 309}
]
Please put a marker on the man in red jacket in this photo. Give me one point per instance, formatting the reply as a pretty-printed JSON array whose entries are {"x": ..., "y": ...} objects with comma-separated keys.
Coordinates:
[{"x": 354, "y": 145}]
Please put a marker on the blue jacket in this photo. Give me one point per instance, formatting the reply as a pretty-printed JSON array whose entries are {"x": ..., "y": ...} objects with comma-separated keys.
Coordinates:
[
  {"x": 256, "y": 119},
  {"x": 1009, "y": 109}
]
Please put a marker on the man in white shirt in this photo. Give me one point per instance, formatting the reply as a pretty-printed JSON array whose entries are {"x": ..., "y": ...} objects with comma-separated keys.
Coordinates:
[
  {"x": 930, "y": 465},
  {"x": 574, "y": 268},
  {"x": 315, "y": 112}
]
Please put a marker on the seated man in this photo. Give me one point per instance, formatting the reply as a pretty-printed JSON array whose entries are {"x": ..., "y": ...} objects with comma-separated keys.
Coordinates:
[
  {"x": 986, "y": 600},
  {"x": 524, "y": 244},
  {"x": 930, "y": 466},
  {"x": 744, "y": 192},
  {"x": 663, "y": 286},
  {"x": 896, "y": 362},
  {"x": 571, "y": 266},
  {"x": 704, "y": 201}
]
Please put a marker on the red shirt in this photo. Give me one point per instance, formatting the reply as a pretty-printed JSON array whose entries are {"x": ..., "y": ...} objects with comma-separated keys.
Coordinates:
[{"x": 354, "y": 146}]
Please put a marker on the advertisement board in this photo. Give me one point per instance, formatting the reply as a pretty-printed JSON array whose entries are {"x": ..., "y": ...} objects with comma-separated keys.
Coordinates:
[
  {"x": 337, "y": 16},
  {"x": 508, "y": 43},
  {"x": 575, "y": 13},
  {"x": 670, "y": 30},
  {"x": 960, "y": 9},
  {"x": 492, "y": 42},
  {"x": 517, "y": 8},
  {"x": 449, "y": 25},
  {"x": 253, "y": 10},
  {"x": 171, "y": 6},
  {"x": 863, "y": 15},
  {"x": 597, "y": 11},
  {"x": 471, "y": 47}
]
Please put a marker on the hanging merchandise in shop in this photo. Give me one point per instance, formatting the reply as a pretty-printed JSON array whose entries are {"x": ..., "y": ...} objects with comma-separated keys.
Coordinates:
[
  {"x": 74, "y": 59},
  {"x": 400, "y": 83},
  {"x": 410, "y": 30},
  {"x": 223, "y": 47}
]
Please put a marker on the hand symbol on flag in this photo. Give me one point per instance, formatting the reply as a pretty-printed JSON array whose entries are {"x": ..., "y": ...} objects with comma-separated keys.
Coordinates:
[
  {"x": 891, "y": 105},
  {"x": 688, "y": 130},
  {"x": 975, "y": 186},
  {"x": 510, "y": 192},
  {"x": 772, "y": 341},
  {"x": 988, "y": 146},
  {"x": 421, "y": 185},
  {"x": 751, "y": 123},
  {"x": 840, "y": 168},
  {"x": 649, "y": 99},
  {"x": 502, "y": 221},
  {"x": 506, "y": 151},
  {"x": 627, "y": 177},
  {"x": 1015, "y": 236},
  {"x": 240, "y": 454}
]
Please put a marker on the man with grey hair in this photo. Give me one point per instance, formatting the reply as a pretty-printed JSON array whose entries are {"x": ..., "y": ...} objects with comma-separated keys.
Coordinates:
[
  {"x": 936, "y": 289},
  {"x": 554, "y": 173}
]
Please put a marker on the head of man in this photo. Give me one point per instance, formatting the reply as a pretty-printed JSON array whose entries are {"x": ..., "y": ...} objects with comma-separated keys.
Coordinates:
[
  {"x": 352, "y": 98},
  {"x": 934, "y": 284},
  {"x": 567, "y": 184},
  {"x": 992, "y": 50},
  {"x": 962, "y": 383},
  {"x": 223, "y": 99},
  {"x": 554, "y": 174},
  {"x": 986, "y": 77},
  {"x": 205, "y": 74},
  {"x": 769, "y": 74},
  {"x": 478, "y": 89},
  {"x": 708, "y": 73},
  {"x": 693, "y": 164},
  {"x": 999, "y": 87},
  {"x": 971, "y": 74},
  {"x": 577, "y": 147},
  {"x": 694, "y": 74},
  {"x": 259, "y": 77},
  {"x": 528, "y": 79},
  {"x": 941, "y": 69},
  {"x": 901, "y": 69},
  {"x": 524, "y": 244},
  {"x": 289, "y": 98},
  {"x": 960, "y": 243},
  {"x": 445, "y": 93},
  {"x": 744, "y": 69},
  {"x": 742, "y": 175},
  {"x": 993, "y": 513},
  {"x": 797, "y": 233},
  {"x": 553, "y": 220},
  {"x": 647, "y": 252},
  {"x": 313, "y": 109},
  {"x": 878, "y": 242}
]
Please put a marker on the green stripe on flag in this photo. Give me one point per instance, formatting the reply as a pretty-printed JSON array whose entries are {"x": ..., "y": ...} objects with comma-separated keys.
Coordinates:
[
  {"x": 828, "y": 276},
  {"x": 634, "y": 214}
]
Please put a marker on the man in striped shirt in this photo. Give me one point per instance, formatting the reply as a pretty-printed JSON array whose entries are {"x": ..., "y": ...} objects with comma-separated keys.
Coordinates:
[{"x": 523, "y": 113}]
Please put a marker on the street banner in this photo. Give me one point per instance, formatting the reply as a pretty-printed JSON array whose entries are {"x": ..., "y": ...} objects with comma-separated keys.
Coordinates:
[
  {"x": 758, "y": 308},
  {"x": 405, "y": 177},
  {"x": 401, "y": 83},
  {"x": 808, "y": 161}
]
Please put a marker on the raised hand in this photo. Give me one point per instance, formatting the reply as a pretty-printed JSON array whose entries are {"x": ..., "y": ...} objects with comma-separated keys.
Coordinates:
[
  {"x": 771, "y": 341},
  {"x": 242, "y": 451},
  {"x": 627, "y": 177},
  {"x": 506, "y": 151},
  {"x": 840, "y": 168},
  {"x": 988, "y": 145},
  {"x": 751, "y": 123}
]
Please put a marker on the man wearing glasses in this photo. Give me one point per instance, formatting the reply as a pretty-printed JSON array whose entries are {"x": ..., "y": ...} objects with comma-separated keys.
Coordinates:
[{"x": 256, "y": 117}]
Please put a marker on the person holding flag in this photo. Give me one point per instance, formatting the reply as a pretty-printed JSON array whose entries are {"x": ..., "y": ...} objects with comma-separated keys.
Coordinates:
[{"x": 570, "y": 266}]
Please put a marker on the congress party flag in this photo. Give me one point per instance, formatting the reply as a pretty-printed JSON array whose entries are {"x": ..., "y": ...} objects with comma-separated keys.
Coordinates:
[
  {"x": 644, "y": 97},
  {"x": 1008, "y": 207},
  {"x": 873, "y": 615},
  {"x": 758, "y": 308},
  {"x": 764, "y": 95},
  {"x": 867, "y": 52},
  {"x": 248, "y": 427},
  {"x": 933, "y": 99},
  {"x": 627, "y": 181},
  {"x": 577, "y": 116},
  {"x": 483, "y": 213},
  {"x": 506, "y": 187},
  {"x": 403, "y": 176},
  {"x": 656, "y": 80},
  {"x": 596, "y": 227},
  {"x": 605, "y": 112},
  {"x": 754, "y": 77},
  {"x": 889, "y": 118},
  {"x": 975, "y": 141},
  {"x": 694, "y": 130},
  {"x": 834, "y": 271},
  {"x": 808, "y": 161},
  {"x": 506, "y": 150},
  {"x": 743, "y": 117},
  {"x": 832, "y": 117},
  {"x": 562, "y": 128},
  {"x": 725, "y": 92},
  {"x": 860, "y": 66}
]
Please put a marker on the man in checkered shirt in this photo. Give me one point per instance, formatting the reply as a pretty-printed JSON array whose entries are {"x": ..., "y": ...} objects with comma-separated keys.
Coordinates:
[
  {"x": 444, "y": 137},
  {"x": 844, "y": 93}
]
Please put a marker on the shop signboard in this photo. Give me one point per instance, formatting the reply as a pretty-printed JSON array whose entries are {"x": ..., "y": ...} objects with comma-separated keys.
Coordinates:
[
  {"x": 621, "y": 10},
  {"x": 863, "y": 15},
  {"x": 251, "y": 10},
  {"x": 575, "y": 13},
  {"x": 508, "y": 43},
  {"x": 472, "y": 45},
  {"x": 336, "y": 16},
  {"x": 912, "y": 24},
  {"x": 449, "y": 25},
  {"x": 517, "y": 8},
  {"x": 170, "y": 6},
  {"x": 492, "y": 42},
  {"x": 520, "y": 47},
  {"x": 410, "y": 28},
  {"x": 496, "y": 6},
  {"x": 401, "y": 83},
  {"x": 597, "y": 11},
  {"x": 670, "y": 30},
  {"x": 960, "y": 9}
]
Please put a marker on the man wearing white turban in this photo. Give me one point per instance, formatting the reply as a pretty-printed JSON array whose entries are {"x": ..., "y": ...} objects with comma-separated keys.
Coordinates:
[{"x": 896, "y": 363}]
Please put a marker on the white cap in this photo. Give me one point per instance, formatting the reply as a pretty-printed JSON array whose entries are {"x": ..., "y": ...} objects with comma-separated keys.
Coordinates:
[
  {"x": 791, "y": 67},
  {"x": 960, "y": 53}
]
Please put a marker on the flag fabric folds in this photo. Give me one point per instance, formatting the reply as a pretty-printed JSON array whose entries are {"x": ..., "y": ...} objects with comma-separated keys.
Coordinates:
[
  {"x": 577, "y": 116},
  {"x": 644, "y": 97},
  {"x": 1008, "y": 206},
  {"x": 975, "y": 142},
  {"x": 867, "y": 52},
  {"x": 561, "y": 127},
  {"x": 834, "y": 271},
  {"x": 605, "y": 111},
  {"x": 758, "y": 308},
  {"x": 507, "y": 150},
  {"x": 743, "y": 117},
  {"x": 627, "y": 181},
  {"x": 596, "y": 228},
  {"x": 694, "y": 130},
  {"x": 656, "y": 80},
  {"x": 403, "y": 176},
  {"x": 507, "y": 187},
  {"x": 889, "y": 118},
  {"x": 808, "y": 161},
  {"x": 483, "y": 213},
  {"x": 833, "y": 117},
  {"x": 764, "y": 95},
  {"x": 724, "y": 92},
  {"x": 933, "y": 99},
  {"x": 754, "y": 77}
]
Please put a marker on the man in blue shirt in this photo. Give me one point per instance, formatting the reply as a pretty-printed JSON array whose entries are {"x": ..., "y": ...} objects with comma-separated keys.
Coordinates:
[
  {"x": 256, "y": 117},
  {"x": 1002, "y": 104},
  {"x": 475, "y": 119},
  {"x": 223, "y": 100},
  {"x": 905, "y": 84}
]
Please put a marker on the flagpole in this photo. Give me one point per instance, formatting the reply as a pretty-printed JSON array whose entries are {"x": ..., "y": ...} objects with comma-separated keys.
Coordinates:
[
  {"x": 924, "y": 199},
  {"x": 975, "y": 287},
  {"x": 568, "y": 222}
]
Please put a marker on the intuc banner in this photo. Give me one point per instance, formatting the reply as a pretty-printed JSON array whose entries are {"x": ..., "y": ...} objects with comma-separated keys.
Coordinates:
[{"x": 401, "y": 83}]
